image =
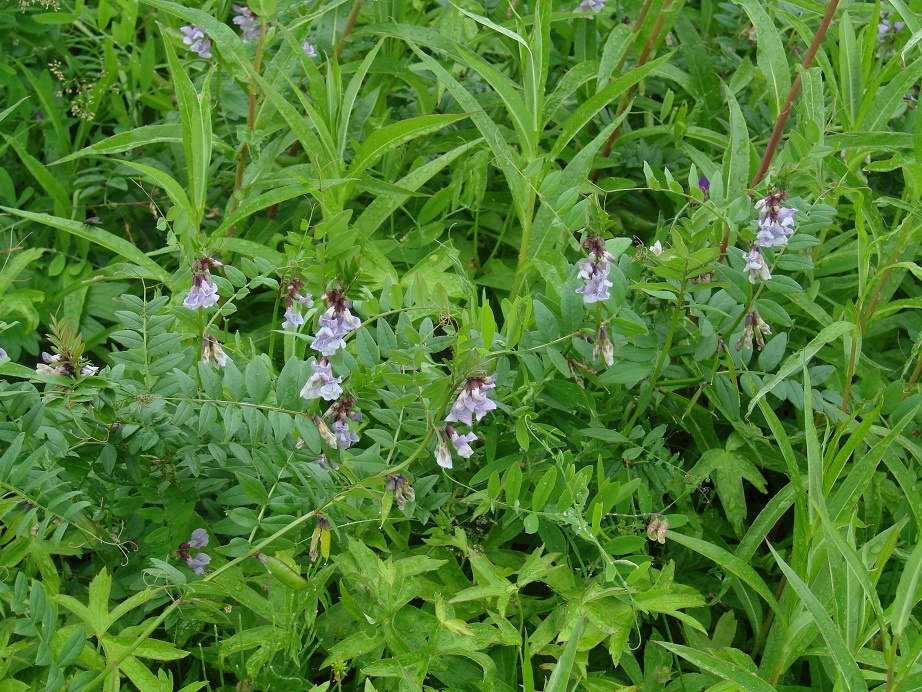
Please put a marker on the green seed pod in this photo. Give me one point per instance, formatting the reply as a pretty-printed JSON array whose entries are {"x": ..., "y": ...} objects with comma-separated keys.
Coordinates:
[{"x": 283, "y": 572}]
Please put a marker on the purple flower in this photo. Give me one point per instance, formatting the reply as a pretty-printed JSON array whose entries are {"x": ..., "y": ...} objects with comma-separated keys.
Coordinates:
[
  {"x": 340, "y": 322},
  {"x": 344, "y": 436},
  {"x": 3, "y": 354},
  {"x": 776, "y": 223},
  {"x": 197, "y": 563},
  {"x": 293, "y": 317},
  {"x": 248, "y": 22},
  {"x": 888, "y": 26},
  {"x": 327, "y": 342},
  {"x": 197, "y": 40},
  {"x": 322, "y": 384},
  {"x": 755, "y": 265},
  {"x": 335, "y": 323},
  {"x": 306, "y": 300},
  {"x": 704, "y": 185},
  {"x": 203, "y": 294},
  {"x": 309, "y": 49},
  {"x": 199, "y": 539},
  {"x": 462, "y": 443},
  {"x": 473, "y": 401},
  {"x": 594, "y": 271},
  {"x": 593, "y": 6},
  {"x": 326, "y": 463},
  {"x": 89, "y": 369}
]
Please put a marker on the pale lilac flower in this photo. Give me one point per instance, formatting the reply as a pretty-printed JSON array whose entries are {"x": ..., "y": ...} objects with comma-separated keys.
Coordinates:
[
  {"x": 335, "y": 324},
  {"x": 199, "y": 539},
  {"x": 473, "y": 401},
  {"x": 888, "y": 26},
  {"x": 197, "y": 564},
  {"x": 3, "y": 354},
  {"x": 89, "y": 370},
  {"x": 197, "y": 40},
  {"x": 322, "y": 383},
  {"x": 775, "y": 223},
  {"x": 462, "y": 443},
  {"x": 603, "y": 347},
  {"x": 340, "y": 322},
  {"x": 54, "y": 365},
  {"x": 755, "y": 265},
  {"x": 309, "y": 49},
  {"x": 344, "y": 436},
  {"x": 203, "y": 294},
  {"x": 593, "y": 6},
  {"x": 306, "y": 300},
  {"x": 594, "y": 271},
  {"x": 327, "y": 342},
  {"x": 657, "y": 248},
  {"x": 248, "y": 22},
  {"x": 293, "y": 317}
]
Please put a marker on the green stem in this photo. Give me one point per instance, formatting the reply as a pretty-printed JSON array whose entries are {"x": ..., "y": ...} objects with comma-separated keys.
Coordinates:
[
  {"x": 251, "y": 125},
  {"x": 523, "y": 250},
  {"x": 350, "y": 22}
]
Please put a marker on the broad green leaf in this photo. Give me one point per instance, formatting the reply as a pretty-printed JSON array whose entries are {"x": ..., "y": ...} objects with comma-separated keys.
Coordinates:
[
  {"x": 729, "y": 562},
  {"x": 126, "y": 141},
  {"x": 770, "y": 53},
  {"x": 103, "y": 238},
  {"x": 731, "y": 672},
  {"x": 798, "y": 360},
  {"x": 560, "y": 678},
  {"x": 849, "y": 673},
  {"x": 736, "y": 158}
]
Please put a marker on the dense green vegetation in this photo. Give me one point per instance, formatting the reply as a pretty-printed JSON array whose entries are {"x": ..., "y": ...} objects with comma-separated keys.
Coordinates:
[{"x": 408, "y": 345}]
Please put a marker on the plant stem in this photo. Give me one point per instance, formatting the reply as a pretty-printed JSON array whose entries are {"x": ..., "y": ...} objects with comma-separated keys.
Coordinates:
[
  {"x": 523, "y": 250},
  {"x": 785, "y": 112},
  {"x": 792, "y": 94},
  {"x": 251, "y": 125},
  {"x": 641, "y": 61},
  {"x": 347, "y": 30}
]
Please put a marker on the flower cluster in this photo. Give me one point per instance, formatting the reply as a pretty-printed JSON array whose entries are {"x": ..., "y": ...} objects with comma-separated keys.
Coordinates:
[
  {"x": 472, "y": 402},
  {"x": 62, "y": 364},
  {"x": 776, "y": 223},
  {"x": 398, "y": 484},
  {"x": 461, "y": 443},
  {"x": 888, "y": 26},
  {"x": 248, "y": 22},
  {"x": 594, "y": 271},
  {"x": 755, "y": 327},
  {"x": 204, "y": 291},
  {"x": 593, "y": 6},
  {"x": 322, "y": 384},
  {"x": 756, "y": 265},
  {"x": 211, "y": 350},
  {"x": 199, "y": 539},
  {"x": 335, "y": 323},
  {"x": 339, "y": 414},
  {"x": 197, "y": 40},
  {"x": 293, "y": 302}
]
